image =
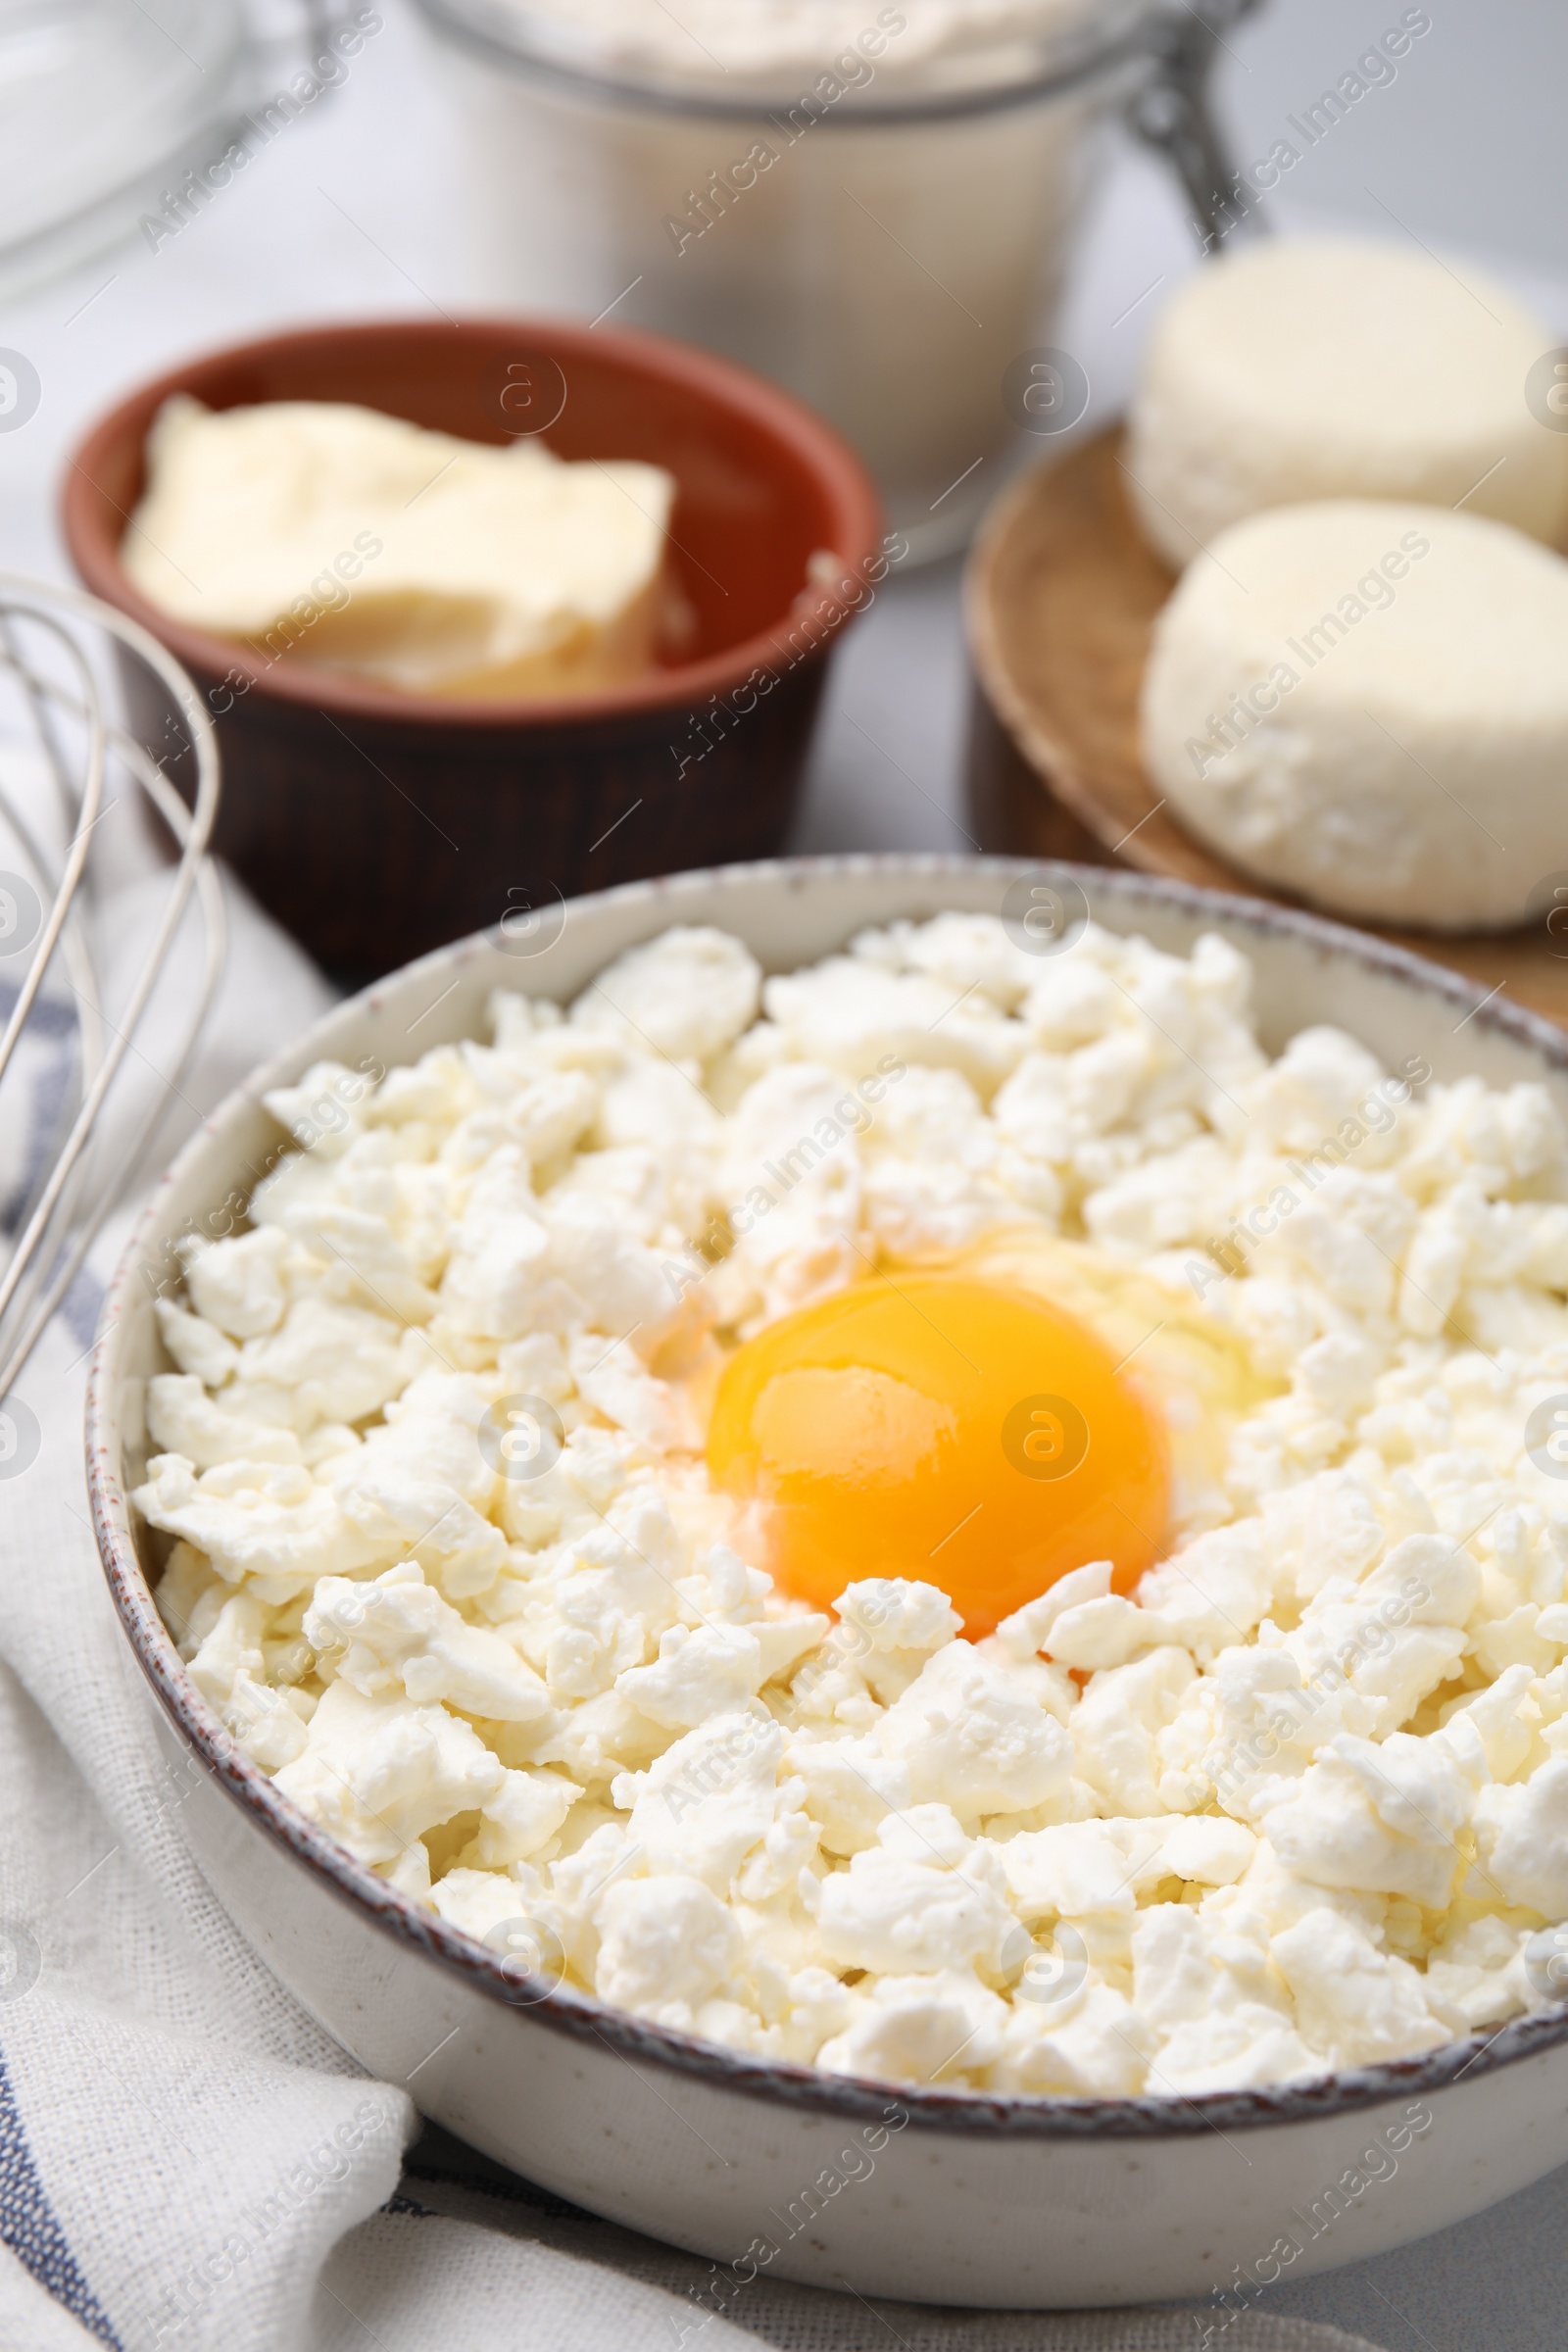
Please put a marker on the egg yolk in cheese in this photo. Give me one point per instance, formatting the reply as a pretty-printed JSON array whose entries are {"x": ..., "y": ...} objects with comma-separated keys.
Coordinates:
[{"x": 943, "y": 1429}]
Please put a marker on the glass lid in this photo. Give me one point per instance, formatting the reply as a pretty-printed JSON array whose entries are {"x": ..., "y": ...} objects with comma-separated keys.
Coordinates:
[{"x": 103, "y": 104}]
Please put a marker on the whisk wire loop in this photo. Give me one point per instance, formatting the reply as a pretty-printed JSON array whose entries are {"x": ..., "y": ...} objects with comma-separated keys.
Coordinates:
[{"x": 49, "y": 638}]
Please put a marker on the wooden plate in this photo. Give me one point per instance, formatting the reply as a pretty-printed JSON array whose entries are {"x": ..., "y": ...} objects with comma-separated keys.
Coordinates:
[{"x": 1062, "y": 593}]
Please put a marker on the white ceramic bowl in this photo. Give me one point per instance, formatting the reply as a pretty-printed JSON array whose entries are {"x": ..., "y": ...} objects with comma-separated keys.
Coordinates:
[{"x": 940, "y": 2197}]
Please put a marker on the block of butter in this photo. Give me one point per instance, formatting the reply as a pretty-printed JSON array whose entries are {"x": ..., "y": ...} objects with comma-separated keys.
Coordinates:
[{"x": 332, "y": 534}]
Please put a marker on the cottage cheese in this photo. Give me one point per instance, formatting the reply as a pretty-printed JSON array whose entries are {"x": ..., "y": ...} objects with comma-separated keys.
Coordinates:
[
  {"x": 1363, "y": 702},
  {"x": 446, "y": 1562},
  {"x": 1299, "y": 368}
]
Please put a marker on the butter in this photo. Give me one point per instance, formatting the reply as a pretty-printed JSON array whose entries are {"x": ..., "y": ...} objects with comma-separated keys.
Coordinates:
[{"x": 334, "y": 535}]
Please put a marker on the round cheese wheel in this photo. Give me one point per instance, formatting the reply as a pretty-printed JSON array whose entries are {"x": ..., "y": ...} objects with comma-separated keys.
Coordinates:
[
  {"x": 1306, "y": 369},
  {"x": 1366, "y": 703}
]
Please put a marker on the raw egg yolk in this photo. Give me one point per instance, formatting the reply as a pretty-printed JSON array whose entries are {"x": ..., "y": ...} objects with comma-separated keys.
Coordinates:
[{"x": 943, "y": 1430}]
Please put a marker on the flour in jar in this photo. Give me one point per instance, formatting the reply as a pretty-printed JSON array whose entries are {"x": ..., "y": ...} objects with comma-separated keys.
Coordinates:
[{"x": 712, "y": 39}]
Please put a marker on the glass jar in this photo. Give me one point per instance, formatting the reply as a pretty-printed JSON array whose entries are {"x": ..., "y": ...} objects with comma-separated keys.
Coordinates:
[
  {"x": 883, "y": 228},
  {"x": 113, "y": 116}
]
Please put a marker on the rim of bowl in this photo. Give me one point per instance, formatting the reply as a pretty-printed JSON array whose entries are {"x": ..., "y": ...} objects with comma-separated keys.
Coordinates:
[
  {"x": 582, "y": 2017},
  {"x": 787, "y": 423}
]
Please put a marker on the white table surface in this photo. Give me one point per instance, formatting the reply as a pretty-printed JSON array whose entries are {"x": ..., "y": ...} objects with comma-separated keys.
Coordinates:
[{"x": 358, "y": 209}]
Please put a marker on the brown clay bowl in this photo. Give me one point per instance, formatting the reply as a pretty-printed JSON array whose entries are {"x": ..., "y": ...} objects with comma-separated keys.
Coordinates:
[{"x": 374, "y": 824}]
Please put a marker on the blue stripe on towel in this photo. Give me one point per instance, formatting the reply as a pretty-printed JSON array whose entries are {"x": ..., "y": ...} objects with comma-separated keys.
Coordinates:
[
  {"x": 51, "y": 1017},
  {"x": 45, "y": 1083},
  {"x": 29, "y": 2227},
  {"x": 82, "y": 1307}
]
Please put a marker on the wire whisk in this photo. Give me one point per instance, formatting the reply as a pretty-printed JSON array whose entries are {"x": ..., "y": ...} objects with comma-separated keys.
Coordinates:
[{"x": 67, "y": 763}]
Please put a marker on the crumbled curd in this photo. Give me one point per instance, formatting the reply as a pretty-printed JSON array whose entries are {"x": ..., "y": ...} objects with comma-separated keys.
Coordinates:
[{"x": 447, "y": 1562}]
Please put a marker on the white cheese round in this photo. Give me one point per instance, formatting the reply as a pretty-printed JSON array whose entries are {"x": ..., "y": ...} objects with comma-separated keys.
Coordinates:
[
  {"x": 1334, "y": 369},
  {"x": 1366, "y": 703}
]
